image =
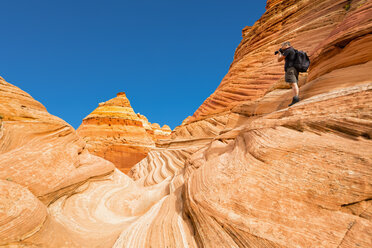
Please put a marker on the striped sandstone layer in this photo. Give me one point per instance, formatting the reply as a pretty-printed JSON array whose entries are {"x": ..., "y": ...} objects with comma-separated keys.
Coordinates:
[
  {"x": 272, "y": 176},
  {"x": 115, "y": 132},
  {"x": 41, "y": 158},
  {"x": 308, "y": 25},
  {"x": 257, "y": 174},
  {"x": 54, "y": 193}
]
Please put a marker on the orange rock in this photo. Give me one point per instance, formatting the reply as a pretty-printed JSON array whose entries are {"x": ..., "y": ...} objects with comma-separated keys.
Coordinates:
[
  {"x": 54, "y": 193},
  {"x": 115, "y": 132},
  {"x": 273, "y": 176},
  {"x": 288, "y": 177},
  {"x": 242, "y": 172},
  {"x": 21, "y": 213},
  {"x": 39, "y": 151},
  {"x": 282, "y": 179},
  {"x": 305, "y": 23}
]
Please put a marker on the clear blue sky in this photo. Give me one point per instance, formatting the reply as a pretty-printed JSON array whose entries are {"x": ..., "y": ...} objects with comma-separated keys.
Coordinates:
[{"x": 168, "y": 56}]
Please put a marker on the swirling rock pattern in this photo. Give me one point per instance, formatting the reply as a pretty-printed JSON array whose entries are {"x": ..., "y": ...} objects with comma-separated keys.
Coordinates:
[
  {"x": 244, "y": 171},
  {"x": 161, "y": 164},
  {"x": 113, "y": 211},
  {"x": 21, "y": 213},
  {"x": 54, "y": 193},
  {"x": 307, "y": 24},
  {"x": 115, "y": 132},
  {"x": 287, "y": 178},
  {"x": 39, "y": 151},
  {"x": 41, "y": 159}
]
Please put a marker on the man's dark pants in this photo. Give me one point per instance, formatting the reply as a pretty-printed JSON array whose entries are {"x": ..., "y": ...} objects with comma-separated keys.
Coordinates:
[{"x": 291, "y": 75}]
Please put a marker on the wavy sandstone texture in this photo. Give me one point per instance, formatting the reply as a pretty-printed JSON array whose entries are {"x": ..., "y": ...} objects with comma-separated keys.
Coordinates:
[
  {"x": 54, "y": 193},
  {"x": 115, "y": 132},
  {"x": 310, "y": 26},
  {"x": 243, "y": 172}
]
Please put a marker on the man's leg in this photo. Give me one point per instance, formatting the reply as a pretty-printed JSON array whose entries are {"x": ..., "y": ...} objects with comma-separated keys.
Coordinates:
[
  {"x": 295, "y": 89},
  {"x": 291, "y": 76},
  {"x": 296, "y": 92}
]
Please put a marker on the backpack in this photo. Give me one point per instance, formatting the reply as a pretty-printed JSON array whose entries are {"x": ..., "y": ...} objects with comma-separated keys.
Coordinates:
[{"x": 302, "y": 61}]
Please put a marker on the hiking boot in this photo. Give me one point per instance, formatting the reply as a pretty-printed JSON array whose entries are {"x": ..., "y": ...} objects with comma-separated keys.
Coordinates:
[{"x": 296, "y": 99}]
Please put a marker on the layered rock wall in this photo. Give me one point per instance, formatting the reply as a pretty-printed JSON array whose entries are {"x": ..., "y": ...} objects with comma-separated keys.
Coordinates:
[
  {"x": 54, "y": 193},
  {"x": 307, "y": 24},
  {"x": 244, "y": 171},
  {"x": 40, "y": 151},
  {"x": 115, "y": 132},
  {"x": 41, "y": 159}
]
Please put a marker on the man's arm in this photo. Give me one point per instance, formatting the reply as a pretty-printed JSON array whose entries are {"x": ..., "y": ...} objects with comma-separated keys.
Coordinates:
[{"x": 281, "y": 57}]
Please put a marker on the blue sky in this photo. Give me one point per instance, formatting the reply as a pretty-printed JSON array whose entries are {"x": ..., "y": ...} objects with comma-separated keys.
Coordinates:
[{"x": 168, "y": 56}]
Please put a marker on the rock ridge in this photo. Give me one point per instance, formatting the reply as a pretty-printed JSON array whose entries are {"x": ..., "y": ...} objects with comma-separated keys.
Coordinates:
[
  {"x": 115, "y": 132},
  {"x": 245, "y": 170}
]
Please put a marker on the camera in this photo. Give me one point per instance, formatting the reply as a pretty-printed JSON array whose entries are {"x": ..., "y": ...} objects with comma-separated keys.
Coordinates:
[{"x": 279, "y": 51}]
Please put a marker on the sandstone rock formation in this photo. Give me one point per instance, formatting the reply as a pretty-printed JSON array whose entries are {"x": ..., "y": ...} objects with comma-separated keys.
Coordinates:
[
  {"x": 243, "y": 172},
  {"x": 273, "y": 176},
  {"x": 41, "y": 158},
  {"x": 309, "y": 25},
  {"x": 39, "y": 151},
  {"x": 115, "y": 132},
  {"x": 54, "y": 193}
]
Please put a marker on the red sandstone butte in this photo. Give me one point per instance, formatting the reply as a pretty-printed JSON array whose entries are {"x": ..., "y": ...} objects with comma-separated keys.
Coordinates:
[{"x": 115, "y": 132}]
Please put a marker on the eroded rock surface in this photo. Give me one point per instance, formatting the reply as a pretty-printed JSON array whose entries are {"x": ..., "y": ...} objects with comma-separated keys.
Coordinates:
[
  {"x": 322, "y": 28},
  {"x": 244, "y": 171},
  {"x": 286, "y": 177},
  {"x": 115, "y": 132},
  {"x": 54, "y": 193},
  {"x": 40, "y": 151}
]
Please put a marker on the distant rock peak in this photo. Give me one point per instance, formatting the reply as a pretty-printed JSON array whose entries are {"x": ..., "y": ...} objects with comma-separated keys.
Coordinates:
[{"x": 117, "y": 133}]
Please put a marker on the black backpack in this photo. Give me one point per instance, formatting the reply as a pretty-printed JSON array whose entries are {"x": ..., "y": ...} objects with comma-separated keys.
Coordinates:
[{"x": 302, "y": 61}]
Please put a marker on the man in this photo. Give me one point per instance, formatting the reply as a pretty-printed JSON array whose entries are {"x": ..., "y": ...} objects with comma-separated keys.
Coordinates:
[{"x": 288, "y": 53}]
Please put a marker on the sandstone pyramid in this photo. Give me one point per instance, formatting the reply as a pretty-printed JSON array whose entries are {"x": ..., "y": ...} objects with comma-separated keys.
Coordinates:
[
  {"x": 115, "y": 132},
  {"x": 244, "y": 171}
]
